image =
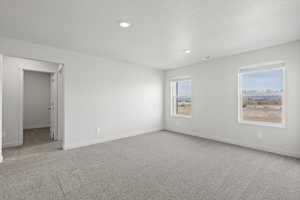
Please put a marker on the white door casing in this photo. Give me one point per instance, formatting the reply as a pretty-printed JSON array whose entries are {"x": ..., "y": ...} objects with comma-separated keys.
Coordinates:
[
  {"x": 60, "y": 104},
  {"x": 1, "y": 80},
  {"x": 53, "y": 107}
]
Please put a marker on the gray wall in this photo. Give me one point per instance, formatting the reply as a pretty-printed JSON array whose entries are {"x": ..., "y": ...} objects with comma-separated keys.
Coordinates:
[
  {"x": 215, "y": 98},
  {"x": 120, "y": 98},
  {"x": 36, "y": 100}
]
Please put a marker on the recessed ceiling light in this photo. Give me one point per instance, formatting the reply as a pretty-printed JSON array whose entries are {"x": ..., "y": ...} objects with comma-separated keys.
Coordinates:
[
  {"x": 124, "y": 24},
  {"x": 187, "y": 51}
]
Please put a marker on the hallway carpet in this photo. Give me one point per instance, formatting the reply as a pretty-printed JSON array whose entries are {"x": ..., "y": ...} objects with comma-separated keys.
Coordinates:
[
  {"x": 34, "y": 140},
  {"x": 156, "y": 166}
]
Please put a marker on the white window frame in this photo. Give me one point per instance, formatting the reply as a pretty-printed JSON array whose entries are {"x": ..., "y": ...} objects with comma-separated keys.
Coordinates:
[
  {"x": 259, "y": 68},
  {"x": 173, "y": 96}
]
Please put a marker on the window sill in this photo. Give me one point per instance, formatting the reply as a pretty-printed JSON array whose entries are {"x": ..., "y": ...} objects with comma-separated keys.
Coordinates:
[
  {"x": 181, "y": 116},
  {"x": 269, "y": 124}
]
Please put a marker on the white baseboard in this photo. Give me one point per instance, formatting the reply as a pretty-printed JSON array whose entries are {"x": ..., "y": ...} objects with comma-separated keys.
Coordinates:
[
  {"x": 250, "y": 146},
  {"x": 1, "y": 158},
  {"x": 102, "y": 140},
  {"x": 11, "y": 144},
  {"x": 37, "y": 126}
]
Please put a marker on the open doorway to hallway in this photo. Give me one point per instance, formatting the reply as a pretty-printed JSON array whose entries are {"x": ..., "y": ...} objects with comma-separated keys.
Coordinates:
[{"x": 32, "y": 107}]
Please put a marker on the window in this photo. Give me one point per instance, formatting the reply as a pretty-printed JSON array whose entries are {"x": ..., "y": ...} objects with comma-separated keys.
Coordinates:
[
  {"x": 261, "y": 95},
  {"x": 181, "y": 93}
]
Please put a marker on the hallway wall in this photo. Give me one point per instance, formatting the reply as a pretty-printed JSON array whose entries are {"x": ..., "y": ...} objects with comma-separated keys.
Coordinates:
[{"x": 36, "y": 100}]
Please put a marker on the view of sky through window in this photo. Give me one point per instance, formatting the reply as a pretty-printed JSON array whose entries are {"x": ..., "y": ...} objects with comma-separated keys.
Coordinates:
[
  {"x": 184, "y": 88},
  {"x": 260, "y": 81}
]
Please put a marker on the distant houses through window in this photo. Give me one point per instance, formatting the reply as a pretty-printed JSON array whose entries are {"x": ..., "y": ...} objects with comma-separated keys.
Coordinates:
[
  {"x": 261, "y": 95},
  {"x": 181, "y": 97}
]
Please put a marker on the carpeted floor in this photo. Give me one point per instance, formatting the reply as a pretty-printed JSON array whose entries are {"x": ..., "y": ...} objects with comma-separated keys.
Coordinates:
[{"x": 157, "y": 166}]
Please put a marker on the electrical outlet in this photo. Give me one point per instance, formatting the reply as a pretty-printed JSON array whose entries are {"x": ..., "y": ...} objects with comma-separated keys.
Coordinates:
[
  {"x": 259, "y": 135},
  {"x": 98, "y": 131}
]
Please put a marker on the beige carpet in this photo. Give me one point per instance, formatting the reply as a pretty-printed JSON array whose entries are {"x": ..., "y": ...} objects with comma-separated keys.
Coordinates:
[{"x": 158, "y": 166}]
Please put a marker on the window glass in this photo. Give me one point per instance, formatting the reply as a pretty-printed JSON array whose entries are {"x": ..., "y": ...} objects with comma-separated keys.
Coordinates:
[
  {"x": 261, "y": 96},
  {"x": 182, "y": 97}
]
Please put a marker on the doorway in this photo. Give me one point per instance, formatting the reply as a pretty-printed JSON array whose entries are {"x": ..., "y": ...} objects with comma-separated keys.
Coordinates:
[
  {"x": 37, "y": 111},
  {"x": 36, "y": 108}
]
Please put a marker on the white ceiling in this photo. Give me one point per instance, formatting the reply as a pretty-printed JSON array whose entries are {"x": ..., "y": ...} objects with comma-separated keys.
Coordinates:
[{"x": 160, "y": 31}]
